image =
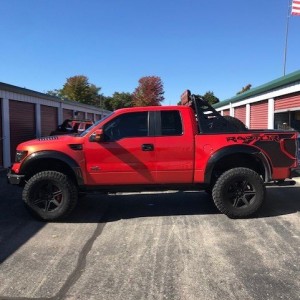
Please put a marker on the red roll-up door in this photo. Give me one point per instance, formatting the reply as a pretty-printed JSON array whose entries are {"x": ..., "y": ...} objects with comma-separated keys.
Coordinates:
[
  {"x": 67, "y": 114},
  {"x": 49, "y": 119},
  {"x": 22, "y": 123},
  {"x": 240, "y": 113},
  {"x": 81, "y": 115},
  {"x": 98, "y": 117},
  {"x": 1, "y": 135},
  {"x": 259, "y": 115},
  {"x": 287, "y": 102},
  {"x": 226, "y": 112}
]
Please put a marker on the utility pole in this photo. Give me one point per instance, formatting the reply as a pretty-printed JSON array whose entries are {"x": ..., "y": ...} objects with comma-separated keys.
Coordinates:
[{"x": 286, "y": 36}]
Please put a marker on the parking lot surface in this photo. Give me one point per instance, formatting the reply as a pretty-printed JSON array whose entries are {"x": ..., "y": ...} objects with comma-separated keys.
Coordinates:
[{"x": 173, "y": 245}]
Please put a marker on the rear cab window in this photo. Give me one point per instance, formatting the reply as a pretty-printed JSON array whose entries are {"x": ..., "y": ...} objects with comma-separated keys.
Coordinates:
[{"x": 171, "y": 123}]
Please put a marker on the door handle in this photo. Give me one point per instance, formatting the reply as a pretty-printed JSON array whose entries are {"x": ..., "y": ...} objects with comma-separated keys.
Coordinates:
[{"x": 147, "y": 147}]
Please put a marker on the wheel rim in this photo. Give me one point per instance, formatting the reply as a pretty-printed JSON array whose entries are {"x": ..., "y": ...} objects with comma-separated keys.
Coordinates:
[
  {"x": 48, "y": 197},
  {"x": 241, "y": 193}
]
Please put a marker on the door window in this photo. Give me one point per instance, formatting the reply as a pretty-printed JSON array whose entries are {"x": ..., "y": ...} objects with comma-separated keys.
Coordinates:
[{"x": 127, "y": 125}]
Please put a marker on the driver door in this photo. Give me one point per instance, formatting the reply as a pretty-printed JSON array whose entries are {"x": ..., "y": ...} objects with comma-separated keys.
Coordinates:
[{"x": 126, "y": 156}]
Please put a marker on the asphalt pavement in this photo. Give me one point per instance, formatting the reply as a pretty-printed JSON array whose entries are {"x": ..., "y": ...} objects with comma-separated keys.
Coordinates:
[{"x": 173, "y": 245}]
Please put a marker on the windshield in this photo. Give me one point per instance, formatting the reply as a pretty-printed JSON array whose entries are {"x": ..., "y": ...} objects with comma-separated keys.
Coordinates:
[{"x": 94, "y": 125}]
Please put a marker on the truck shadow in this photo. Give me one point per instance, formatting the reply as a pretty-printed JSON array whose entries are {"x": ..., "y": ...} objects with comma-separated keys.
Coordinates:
[
  {"x": 280, "y": 201},
  {"x": 17, "y": 226},
  {"x": 130, "y": 206}
]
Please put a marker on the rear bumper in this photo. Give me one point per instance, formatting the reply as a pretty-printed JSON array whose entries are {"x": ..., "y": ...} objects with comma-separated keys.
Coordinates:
[{"x": 14, "y": 178}]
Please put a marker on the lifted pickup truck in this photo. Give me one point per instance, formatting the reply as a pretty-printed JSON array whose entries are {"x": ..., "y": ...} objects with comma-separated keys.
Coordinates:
[{"x": 184, "y": 147}]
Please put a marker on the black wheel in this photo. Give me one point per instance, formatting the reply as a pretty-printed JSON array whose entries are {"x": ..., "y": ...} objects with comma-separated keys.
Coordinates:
[
  {"x": 236, "y": 123},
  {"x": 239, "y": 192},
  {"x": 50, "y": 195}
]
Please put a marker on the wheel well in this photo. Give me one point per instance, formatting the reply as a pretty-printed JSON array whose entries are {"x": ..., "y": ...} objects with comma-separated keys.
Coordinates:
[
  {"x": 49, "y": 164},
  {"x": 235, "y": 161}
]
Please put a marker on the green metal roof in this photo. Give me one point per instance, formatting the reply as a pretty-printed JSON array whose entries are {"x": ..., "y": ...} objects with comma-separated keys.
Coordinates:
[{"x": 279, "y": 82}]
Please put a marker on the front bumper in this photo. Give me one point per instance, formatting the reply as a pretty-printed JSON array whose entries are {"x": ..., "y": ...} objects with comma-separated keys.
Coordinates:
[{"x": 14, "y": 178}]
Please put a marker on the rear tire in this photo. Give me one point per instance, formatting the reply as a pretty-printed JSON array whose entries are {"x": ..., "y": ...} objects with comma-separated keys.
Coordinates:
[
  {"x": 50, "y": 195},
  {"x": 239, "y": 192}
]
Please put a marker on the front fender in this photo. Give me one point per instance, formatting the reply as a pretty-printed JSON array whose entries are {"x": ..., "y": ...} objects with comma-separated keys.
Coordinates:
[{"x": 37, "y": 157}]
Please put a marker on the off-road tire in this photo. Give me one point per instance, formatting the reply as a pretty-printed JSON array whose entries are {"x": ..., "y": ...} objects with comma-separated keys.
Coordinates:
[
  {"x": 50, "y": 195},
  {"x": 239, "y": 192},
  {"x": 236, "y": 123}
]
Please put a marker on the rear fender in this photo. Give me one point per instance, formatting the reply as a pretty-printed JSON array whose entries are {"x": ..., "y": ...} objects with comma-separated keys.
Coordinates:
[{"x": 238, "y": 149}]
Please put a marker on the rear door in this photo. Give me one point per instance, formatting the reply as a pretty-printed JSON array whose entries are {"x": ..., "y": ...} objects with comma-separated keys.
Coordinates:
[{"x": 174, "y": 148}]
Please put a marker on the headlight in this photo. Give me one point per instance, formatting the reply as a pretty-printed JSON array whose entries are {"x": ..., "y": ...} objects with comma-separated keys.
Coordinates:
[{"x": 20, "y": 155}]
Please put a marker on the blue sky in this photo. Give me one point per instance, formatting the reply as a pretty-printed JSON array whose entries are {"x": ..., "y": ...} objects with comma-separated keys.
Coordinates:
[{"x": 219, "y": 46}]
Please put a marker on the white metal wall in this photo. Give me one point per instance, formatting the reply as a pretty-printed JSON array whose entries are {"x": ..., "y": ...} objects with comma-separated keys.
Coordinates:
[
  {"x": 10, "y": 114},
  {"x": 281, "y": 99}
]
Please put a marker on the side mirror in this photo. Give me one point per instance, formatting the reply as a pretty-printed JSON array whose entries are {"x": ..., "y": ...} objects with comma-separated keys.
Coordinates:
[{"x": 97, "y": 136}]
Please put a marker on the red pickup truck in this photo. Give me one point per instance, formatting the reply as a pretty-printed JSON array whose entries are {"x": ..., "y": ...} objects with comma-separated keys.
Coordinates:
[{"x": 184, "y": 147}]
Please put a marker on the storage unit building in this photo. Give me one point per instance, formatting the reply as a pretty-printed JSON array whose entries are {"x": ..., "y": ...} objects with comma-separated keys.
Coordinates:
[
  {"x": 274, "y": 105},
  {"x": 27, "y": 114}
]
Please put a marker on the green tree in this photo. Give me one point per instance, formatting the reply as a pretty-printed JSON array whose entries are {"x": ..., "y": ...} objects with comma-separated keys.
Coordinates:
[
  {"x": 54, "y": 93},
  {"x": 78, "y": 88},
  {"x": 121, "y": 100},
  {"x": 210, "y": 98},
  {"x": 116, "y": 101},
  {"x": 106, "y": 103},
  {"x": 149, "y": 92},
  {"x": 244, "y": 89}
]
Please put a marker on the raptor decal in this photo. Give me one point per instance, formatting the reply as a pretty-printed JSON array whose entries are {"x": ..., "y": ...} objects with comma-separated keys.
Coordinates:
[{"x": 252, "y": 139}]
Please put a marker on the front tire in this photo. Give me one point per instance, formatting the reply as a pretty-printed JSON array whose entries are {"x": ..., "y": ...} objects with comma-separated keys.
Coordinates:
[
  {"x": 239, "y": 192},
  {"x": 50, "y": 195}
]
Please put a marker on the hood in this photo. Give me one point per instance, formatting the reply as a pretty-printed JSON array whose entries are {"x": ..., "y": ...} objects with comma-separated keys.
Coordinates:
[{"x": 50, "y": 143}]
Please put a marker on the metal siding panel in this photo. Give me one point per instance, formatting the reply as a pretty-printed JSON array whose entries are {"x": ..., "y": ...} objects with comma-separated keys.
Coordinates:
[
  {"x": 1, "y": 135},
  {"x": 287, "y": 102},
  {"x": 22, "y": 123},
  {"x": 259, "y": 115},
  {"x": 67, "y": 113},
  {"x": 240, "y": 113},
  {"x": 49, "y": 119},
  {"x": 81, "y": 115},
  {"x": 226, "y": 112}
]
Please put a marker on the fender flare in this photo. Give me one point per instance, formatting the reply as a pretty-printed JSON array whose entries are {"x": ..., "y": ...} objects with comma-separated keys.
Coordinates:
[
  {"x": 238, "y": 149},
  {"x": 34, "y": 157}
]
